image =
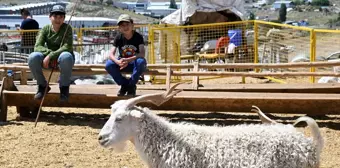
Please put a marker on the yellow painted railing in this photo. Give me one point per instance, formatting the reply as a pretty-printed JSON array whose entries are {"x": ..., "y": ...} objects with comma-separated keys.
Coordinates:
[{"x": 255, "y": 42}]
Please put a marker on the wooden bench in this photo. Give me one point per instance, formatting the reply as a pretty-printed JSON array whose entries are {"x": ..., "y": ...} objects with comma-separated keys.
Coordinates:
[{"x": 310, "y": 99}]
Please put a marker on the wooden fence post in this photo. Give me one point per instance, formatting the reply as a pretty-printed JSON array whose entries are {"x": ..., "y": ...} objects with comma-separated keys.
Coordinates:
[
  {"x": 195, "y": 79},
  {"x": 168, "y": 77},
  {"x": 23, "y": 77}
]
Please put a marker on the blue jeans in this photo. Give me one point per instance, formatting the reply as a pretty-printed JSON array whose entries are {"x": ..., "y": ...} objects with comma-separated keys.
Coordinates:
[
  {"x": 137, "y": 67},
  {"x": 65, "y": 62}
]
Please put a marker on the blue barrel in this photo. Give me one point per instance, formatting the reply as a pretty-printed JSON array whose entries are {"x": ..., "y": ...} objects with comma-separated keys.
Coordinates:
[
  {"x": 235, "y": 36},
  {"x": 9, "y": 72}
]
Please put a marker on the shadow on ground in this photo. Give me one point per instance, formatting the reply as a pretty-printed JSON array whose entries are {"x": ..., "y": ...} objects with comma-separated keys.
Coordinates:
[{"x": 212, "y": 118}]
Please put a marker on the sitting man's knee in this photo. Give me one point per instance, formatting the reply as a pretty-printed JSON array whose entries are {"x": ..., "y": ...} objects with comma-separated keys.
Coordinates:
[
  {"x": 35, "y": 57},
  {"x": 66, "y": 57},
  {"x": 141, "y": 61},
  {"x": 109, "y": 65}
]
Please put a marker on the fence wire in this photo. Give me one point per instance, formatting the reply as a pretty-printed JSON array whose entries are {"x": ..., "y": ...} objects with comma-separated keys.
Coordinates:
[
  {"x": 233, "y": 42},
  {"x": 278, "y": 43}
]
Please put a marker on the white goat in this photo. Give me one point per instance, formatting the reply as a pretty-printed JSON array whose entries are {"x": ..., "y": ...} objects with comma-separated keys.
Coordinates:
[{"x": 162, "y": 144}]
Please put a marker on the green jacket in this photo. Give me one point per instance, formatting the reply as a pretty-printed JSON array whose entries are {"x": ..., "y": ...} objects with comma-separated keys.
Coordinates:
[{"x": 53, "y": 40}]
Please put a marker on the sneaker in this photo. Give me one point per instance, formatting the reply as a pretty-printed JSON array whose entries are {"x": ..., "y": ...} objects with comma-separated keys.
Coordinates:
[
  {"x": 40, "y": 93},
  {"x": 132, "y": 90},
  {"x": 122, "y": 91},
  {"x": 64, "y": 93}
]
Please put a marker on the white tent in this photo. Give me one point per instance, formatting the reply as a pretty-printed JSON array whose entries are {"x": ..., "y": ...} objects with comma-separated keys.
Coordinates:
[{"x": 206, "y": 11}]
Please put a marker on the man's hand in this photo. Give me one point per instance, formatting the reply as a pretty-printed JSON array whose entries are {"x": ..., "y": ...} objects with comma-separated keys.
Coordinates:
[{"x": 46, "y": 62}]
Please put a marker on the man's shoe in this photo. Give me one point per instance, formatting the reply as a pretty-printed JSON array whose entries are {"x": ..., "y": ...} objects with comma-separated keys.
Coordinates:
[
  {"x": 122, "y": 91},
  {"x": 64, "y": 93},
  {"x": 40, "y": 93},
  {"x": 132, "y": 90}
]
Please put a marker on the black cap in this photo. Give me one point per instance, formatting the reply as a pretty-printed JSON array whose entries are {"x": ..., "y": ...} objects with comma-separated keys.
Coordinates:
[{"x": 58, "y": 9}]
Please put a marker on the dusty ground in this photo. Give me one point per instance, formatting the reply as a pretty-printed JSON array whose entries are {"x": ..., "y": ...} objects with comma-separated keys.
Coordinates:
[{"x": 67, "y": 137}]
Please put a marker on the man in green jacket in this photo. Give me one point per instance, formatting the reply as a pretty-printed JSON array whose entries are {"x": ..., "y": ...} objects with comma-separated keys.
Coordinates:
[{"x": 51, "y": 46}]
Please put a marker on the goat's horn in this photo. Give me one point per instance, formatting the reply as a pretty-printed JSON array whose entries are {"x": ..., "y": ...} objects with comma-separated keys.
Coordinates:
[
  {"x": 157, "y": 99},
  {"x": 262, "y": 116}
]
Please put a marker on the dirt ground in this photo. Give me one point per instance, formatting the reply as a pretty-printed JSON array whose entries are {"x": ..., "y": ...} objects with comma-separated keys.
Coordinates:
[{"x": 67, "y": 137}]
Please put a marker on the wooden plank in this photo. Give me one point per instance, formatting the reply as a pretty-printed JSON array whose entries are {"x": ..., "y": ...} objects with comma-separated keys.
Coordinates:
[
  {"x": 168, "y": 78},
  {"x": 312, "y": 104},
  {"x": 214, "y": 73},
  {"x": 3, "y": 107},
  {"x": 93, "y": 71},
  {"x": 275, "y": 88},
  {"x": 23, "y": 77},
  {"x": 195, "y": 79},
  {"x": 250, "y": 74},
  {"x": 7, "y": 84},
  {"x": 213, "y": 66}
]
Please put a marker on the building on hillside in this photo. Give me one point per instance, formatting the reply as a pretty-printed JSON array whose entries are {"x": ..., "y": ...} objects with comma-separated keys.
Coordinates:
[
  {"x": 34, "y": 8},
  {"x": 141, "y": 5},
  {"x": 154, "y": 8},
  {"x": 125, "y": 5},
  {"x": 164, "y": 4},
  {"x": 277, "y": 4},
  {"x": 160, "y": 11}
]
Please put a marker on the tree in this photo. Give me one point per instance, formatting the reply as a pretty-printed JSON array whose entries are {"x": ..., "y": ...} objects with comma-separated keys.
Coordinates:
[
  {"x": 109, "y": 2},
  {"x": 298, "y": 2},
  {"x": 251, "y": 16},
  {"x": 283, "y": 13},
  {"x": 173, "y": 4},
  {"x": 331, "y": 23},
  {"x": 101, "y": 1}
]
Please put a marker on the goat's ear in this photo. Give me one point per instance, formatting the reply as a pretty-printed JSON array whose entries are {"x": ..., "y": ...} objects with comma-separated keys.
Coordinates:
[
  {"x": 137, "y": 114},
  {"x": 116, "y": 105}
]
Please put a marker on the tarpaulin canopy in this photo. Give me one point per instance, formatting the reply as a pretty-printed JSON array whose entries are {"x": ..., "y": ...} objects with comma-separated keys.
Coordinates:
[{"x": 206, "y": 11}]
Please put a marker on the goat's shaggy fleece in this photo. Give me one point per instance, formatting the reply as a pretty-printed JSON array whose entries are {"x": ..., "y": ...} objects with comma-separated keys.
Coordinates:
[{"x": 168, "y": 145}]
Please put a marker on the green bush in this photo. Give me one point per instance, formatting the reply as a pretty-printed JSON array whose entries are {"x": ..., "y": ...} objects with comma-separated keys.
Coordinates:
[
  {"x": 251, "y": 16},
  {"x": 320, "y": 2},
  {"x": 298, "y": 2}
]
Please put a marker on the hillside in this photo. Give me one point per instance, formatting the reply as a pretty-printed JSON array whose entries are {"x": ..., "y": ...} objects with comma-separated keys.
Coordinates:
[
  {"x": 315, "y": 18},
  {"x": 310, "y": 13},
  {"x": 107, "y": 11},
  {"x": 90, "y": 10}
]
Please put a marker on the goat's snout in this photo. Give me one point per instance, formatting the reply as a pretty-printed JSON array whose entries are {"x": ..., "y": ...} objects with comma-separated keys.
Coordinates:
[{"x": 103, "y": 140}]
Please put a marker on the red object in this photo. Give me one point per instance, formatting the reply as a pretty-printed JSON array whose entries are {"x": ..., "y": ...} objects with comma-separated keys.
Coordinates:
[
  {"x": 54, "y": 64},
  {"x": 221, "y": 42}
]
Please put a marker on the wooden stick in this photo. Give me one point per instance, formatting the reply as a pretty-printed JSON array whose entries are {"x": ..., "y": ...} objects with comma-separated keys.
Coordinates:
[
  {"x": 42, "y": 101},
  {"x": 49, "y": 78}
]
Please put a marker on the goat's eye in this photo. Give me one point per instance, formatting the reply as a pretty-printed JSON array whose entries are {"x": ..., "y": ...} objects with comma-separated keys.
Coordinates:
[{"x": 118, "y": 119}]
